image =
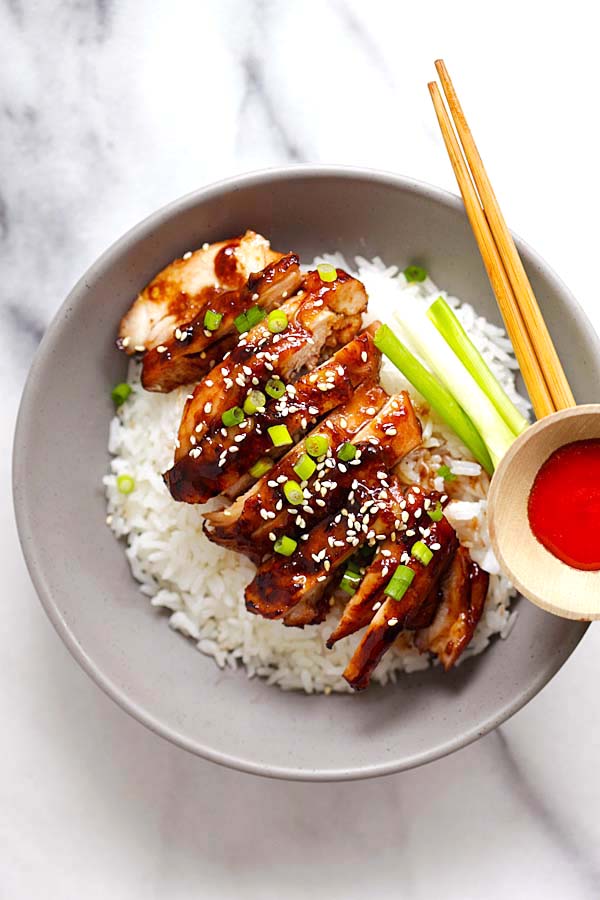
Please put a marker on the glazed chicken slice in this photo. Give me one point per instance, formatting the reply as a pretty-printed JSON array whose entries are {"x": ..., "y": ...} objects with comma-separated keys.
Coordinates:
[
  {"x": 371, "y": 514},
  {"x": 220, "y": 461},
  {"x": 193, "y": 350},
  {"x": 391, "y": 615},
  {"x": 413, "y": 506},
  {"x": 319, "y": 319},
  {"x": 243, "y": 526},
  {"x": 186, "y": 286},
  {"x": 462, "y": 597}
]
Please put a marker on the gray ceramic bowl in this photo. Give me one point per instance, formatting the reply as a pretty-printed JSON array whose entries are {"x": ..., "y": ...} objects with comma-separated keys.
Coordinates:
[{"x": 81, "y": 573}]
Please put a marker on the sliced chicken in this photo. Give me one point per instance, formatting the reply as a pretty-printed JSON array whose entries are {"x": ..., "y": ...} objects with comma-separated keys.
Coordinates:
[
  {"x": 206, "y": 462},
  {"x": 193, "y": 350},
  {"x": 372, "y": 513},
  {"x": 462, "y": 598},
  {"x": 187, "y": 286},
  {"x": 243, "y": 525},
  {"x": 390, "y": 617},
  {"x": 413, "y": 506}
]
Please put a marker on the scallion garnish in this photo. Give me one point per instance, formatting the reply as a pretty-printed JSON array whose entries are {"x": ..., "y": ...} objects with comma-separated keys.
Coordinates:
[
  {"x": 279, "y": 435},
  {"x": 120, "y": 393},
  {"x": 254, "y": 315},
  {"x": 293, "y": 492},
  {"x": 317, "y": 445},
  {"x": 285, "y": 545},
  {"x": 327, "y": 272},
  {"x": 261, "y": 467},
  {"x": 241, "y": 323},
  {"x": 399, "y": 583},
  {"x": 446, "y": 322},
  {"x": 350, "y": 581},
  {"x": 212, "y": 319},
  {"x": 422, "y": 552},
  {"x": 436, "y": 512},
  {"x": 233, "y": 416},
  {"x": 440, "y": 399},
  {"x": 347, "y": 452},
  {"x": 125, "y": 484},
  {"x": 305, "y": 467},
  {"x": 275, "y": 388},
  {"x": 415, "y": 273},
  {"x": 254, "y": 402},
  {"x": 446, "y": 473},
  {"x": 277, "y": 321}
]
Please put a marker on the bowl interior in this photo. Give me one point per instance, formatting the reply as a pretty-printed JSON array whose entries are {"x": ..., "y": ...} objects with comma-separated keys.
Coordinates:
[
  {"x": 81, "y": 572},
  {"x": 542, "y": 577}
]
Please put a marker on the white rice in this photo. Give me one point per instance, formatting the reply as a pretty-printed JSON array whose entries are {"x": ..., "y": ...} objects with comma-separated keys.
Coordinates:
[{"x": 202, "y": 584}]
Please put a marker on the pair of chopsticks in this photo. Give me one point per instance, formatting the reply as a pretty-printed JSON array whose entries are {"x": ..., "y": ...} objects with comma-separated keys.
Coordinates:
[{"x": 541, "y": 368}]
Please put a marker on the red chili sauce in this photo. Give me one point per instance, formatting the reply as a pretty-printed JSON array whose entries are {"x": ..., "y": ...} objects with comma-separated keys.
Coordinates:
[{"x": 564, "y": 504}]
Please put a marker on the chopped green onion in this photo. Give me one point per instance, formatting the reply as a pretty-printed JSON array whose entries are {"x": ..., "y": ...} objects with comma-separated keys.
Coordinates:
[
  {"x": 446, "y": 322},
  {"x": 293, "y": 492},
  {"x": 275, "y": 388},
  {"x": 285, "y": 545},
  {"x": 305, "y": 467},
  {"x": 317, "y": 444},
  {"x": 279, "y": 435},
  {"x": 350, "y": 581},
  {"x": 254, "y": 315},
  {"x": 445, "y": 364},
  {"x": 241, "y": 323},
  {"x": 422, "y": 552},
  {"x": 399, "y": 583},
  {"x": 347, "y": 452},
  {"x": 277, "y": 321},
  {"x": 415, "y": 273},
  {"x": 120, "y": 393},
  {"x": 436, "y": 513},
  {"x": 327, "y": 272},
  {"x": 125, "y": 484},
  {"x": 254, "y": 402},
  {"x": 440, "y": 399},
  {"x": 233, "y": 416},
  {"x": 261, "y": 467},
  {"x": 212, "y": 319},
  {"x": 446, "y": 473}
]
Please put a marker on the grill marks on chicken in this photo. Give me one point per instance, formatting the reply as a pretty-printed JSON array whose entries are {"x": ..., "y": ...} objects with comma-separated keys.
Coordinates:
[
  {"x": 243, "y": 526},
  {"x": 188, "y": 286},
  {"x": 192, "y": 350},
  {"x": 370, "y": 514},
  {"x": 461, "y": 599},
  {"x": 328, "y": 375},
  {"x": 391, "y": 616},
  {"x": 212, "y": 459}
]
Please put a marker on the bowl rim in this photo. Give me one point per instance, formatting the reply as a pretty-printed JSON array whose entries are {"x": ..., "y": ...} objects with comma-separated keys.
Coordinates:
[{"x": 119, "y": 695}]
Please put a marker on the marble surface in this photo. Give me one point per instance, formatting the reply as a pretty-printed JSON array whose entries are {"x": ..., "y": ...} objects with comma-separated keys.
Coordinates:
[{"x": 107, "y": 111}]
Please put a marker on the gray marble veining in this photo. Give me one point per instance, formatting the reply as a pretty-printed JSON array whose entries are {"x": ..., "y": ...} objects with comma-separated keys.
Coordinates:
[{"x": 110, "y": 109}]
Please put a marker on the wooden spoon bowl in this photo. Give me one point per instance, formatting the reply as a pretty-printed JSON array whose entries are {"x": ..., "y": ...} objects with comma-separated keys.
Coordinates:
[{"x": 540, "y": 576}]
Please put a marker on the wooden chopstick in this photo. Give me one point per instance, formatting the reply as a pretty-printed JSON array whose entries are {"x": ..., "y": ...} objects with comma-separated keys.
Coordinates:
[
  {"x": 548, "y": 359},
  {"x": 539, "y": 393}
]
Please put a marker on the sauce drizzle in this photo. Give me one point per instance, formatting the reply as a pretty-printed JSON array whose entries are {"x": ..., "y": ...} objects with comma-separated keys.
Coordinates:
[{"x": 564, "y": 504}]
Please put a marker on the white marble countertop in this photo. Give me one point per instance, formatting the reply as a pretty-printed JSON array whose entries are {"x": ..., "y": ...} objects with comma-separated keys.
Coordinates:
[{"x": 107, "y": 111}]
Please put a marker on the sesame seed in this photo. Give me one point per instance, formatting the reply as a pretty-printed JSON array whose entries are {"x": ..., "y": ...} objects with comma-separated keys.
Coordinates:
[
  {"x": 139, "y": 348},
  {"x": 370, "y": 410},
  {"x": 255, "y": 296},
  {"x": 392, "y": 622},
  {"x": 205, "y": 245},
  {"x": 126, "y": 341},
  {"x": 435, "y": 546},
  {"x": 272, "y": 536},
  {"x": 364, "y": 356},
  {"x": 207, "y": 407},
  {"x": 264, "y": 514},
  {"x": 187, "y": 254}
]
